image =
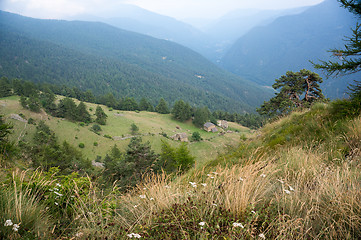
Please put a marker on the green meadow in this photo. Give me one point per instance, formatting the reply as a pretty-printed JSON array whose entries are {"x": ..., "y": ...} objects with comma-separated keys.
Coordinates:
[{"x": 153, "y": 127}]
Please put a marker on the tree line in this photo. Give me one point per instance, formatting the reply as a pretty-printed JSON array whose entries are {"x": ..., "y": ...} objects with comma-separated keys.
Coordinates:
[{"x": 42, "y": 95}]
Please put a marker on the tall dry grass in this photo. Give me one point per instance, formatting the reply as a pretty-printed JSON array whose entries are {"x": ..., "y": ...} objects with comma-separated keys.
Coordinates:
[{"x": 20, "y": 203}]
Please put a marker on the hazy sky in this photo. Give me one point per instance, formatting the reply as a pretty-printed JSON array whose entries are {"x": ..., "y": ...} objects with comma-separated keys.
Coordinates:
[{"x": 179, "y": 9}]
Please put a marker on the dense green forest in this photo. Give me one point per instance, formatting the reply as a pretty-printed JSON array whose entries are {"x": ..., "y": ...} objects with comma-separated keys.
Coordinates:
[{"x": 105, "y": 59}]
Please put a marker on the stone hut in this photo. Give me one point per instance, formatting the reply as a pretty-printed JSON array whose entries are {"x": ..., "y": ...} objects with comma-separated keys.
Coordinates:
[
  {"x": 210, "y": 127},
  {"x": 180, "y": 137}
]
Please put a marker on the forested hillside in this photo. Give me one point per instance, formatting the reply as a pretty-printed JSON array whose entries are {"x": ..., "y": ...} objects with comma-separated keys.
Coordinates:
[
  {"x": 105, "y": 59},
  {"x": 289, "y": 43}
]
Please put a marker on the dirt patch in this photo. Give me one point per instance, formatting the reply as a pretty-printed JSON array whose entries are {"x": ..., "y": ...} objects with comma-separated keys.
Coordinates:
[{"x": 18, "y": 118}]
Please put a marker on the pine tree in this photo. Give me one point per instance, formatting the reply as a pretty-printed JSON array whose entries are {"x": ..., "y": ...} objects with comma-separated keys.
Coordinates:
[
  {"x": 139, "y": 159},
  {"x": 201, "y": 116},
  {"x": 292, "y": 87},
  {"x": 67, "y": 109},
  {"x": 145, "y": 105},
  {"x": 184, "y": 159},
  {"x": 82, "y": 113},
  {"x": 182, "y": 111},
  {"x": 5, "y": 87},
  {"x": 101, "y": 117},
  {"x": 168, "y": 161},
  {"x": 162, "y": 107}
]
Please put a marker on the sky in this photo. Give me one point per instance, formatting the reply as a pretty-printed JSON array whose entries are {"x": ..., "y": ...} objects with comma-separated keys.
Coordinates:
[{"x": 179, "y": 9}]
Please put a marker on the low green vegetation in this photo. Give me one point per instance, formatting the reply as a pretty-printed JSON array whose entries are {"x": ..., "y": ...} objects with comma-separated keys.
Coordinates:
[{"x": 298, "y": 177}]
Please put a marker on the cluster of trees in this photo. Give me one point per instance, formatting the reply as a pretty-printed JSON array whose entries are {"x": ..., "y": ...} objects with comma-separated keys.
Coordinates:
[
  {"x": 139, "y": 160},
  {"x": 35, "y": 96},
  {"x": 46, "y": 152}
]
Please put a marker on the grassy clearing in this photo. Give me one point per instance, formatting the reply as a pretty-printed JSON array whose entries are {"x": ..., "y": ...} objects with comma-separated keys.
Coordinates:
[{"x": 152, "y": 126}]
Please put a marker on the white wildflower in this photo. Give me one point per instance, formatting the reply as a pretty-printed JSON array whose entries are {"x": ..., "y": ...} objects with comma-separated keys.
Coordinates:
[
  {"x": 287, "y": 191},
  {"x": 235, "y": 224},
  {"x": 263, "y": 175},
  {"x": 16, "y": 227},
  {"x": 142, "y": 196},
  {"x": 291, "y": 188},
  {"x": 253, "y": 212},
  {"x": 166, "y": 186},
  {"x": 135, "y": 235},
  {"x": 202, "y": 224},
  {"x": 135, "y": 206},
  {"x": 282, "y": 182},
  {"x": 215, "y": 173},
  {"x": 193, "y": 184},
  {"x": 58, "y": 185},
  {"x": 262, "y": 236},
  {"x": 59, "y": 194},
  {"x": 56, "y": 189},
  {"x": 204, "y": 184},
  {"x": 210, "y": 176},
  {"x": 241, "y": 179},
  {"x": 144, "y": 188},
  {"x": 57, "y": 204},
  {"x": 151, "y": 199},
  {"x": 8, "y": 223},
  {"x": 214, "y": 205}
]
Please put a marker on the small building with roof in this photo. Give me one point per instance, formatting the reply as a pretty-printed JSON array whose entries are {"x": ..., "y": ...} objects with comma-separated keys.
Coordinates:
[{"x": 210, "y": 127}]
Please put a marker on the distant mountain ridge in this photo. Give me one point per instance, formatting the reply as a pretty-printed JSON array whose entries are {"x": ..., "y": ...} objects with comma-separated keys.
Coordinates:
[
  {"x": 106, "y": 59},
  {"x": 136, "y": 19},
  {"x": 288, "y": 43}
]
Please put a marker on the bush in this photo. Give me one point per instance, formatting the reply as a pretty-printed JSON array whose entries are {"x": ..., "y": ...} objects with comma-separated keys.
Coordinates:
[
  {"x": 108, "y": 136},
  {"x": 96, "y": 128},
  {"x": 81, "y": 145},
  {"x": 345, "y": 108},
  {"x": 31, "y": 121},
  {"x": 196, "y": 136},
  {"x": 95, "y": 144}
]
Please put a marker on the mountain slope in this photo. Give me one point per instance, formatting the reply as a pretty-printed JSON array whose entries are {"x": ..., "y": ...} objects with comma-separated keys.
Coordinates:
[
  {"x": 229, "y": 28},
  {"x": 287, "y": 44},
  {"x": 136, "y": 19},
  {"x": 163, "y": 65}
]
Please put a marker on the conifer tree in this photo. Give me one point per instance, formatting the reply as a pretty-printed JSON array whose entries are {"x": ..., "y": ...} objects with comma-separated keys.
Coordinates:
[
  {"x": 348, "y": 59},
  {"x": 145, "y": 105},
  {"x": 182, "y": 111},
  {"x": 296, "y": 90},
  {"x": 101, "y": 117},
  {"x": 201, "y": 116},
  {"x": 5, "y": 87},
  {"x": 162, "y": 107},
  {"x": 82, "y": 113}
]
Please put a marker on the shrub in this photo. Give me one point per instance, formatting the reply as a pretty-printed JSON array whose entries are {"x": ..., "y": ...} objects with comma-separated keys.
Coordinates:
[
  {"x": 96, "y": 128},
  {"x": 108, "y": 136},
  {"x": 95, "y": 144},
  {"x": 31, "y": 121},
  {"x": 81, "y": 145},
  {"x": 196, "y": 136}
]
